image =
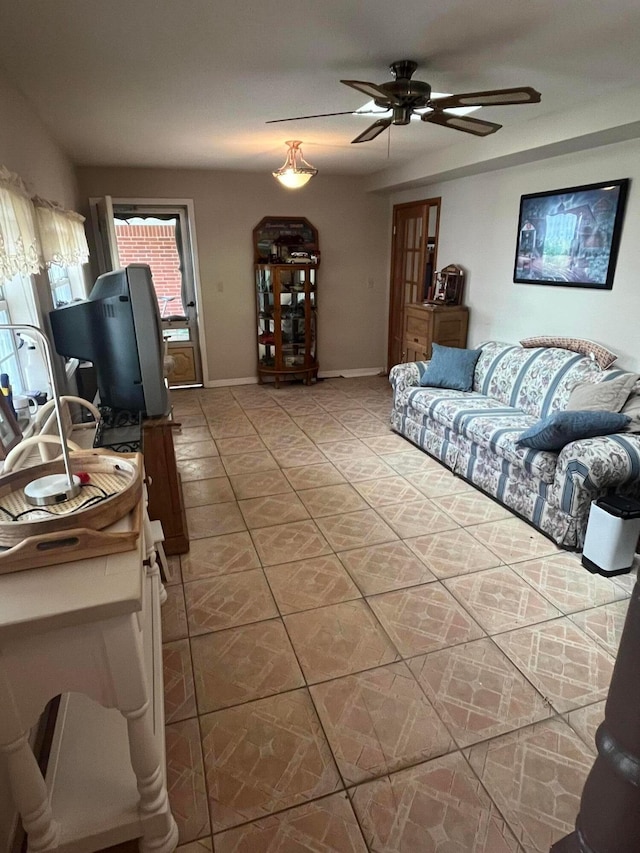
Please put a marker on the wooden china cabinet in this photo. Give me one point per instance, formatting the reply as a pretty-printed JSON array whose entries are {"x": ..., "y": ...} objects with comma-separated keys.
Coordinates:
[{"x": 286, "y": 273}]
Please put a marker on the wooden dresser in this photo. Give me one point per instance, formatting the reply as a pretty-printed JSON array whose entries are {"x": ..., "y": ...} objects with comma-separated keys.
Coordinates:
[{"x": 425, "y": 325}]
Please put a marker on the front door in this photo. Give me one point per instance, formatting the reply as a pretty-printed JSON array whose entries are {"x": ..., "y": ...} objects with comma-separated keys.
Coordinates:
[
  {"x": 413, "y": 262},
  {"x": 158, "y": 235}
]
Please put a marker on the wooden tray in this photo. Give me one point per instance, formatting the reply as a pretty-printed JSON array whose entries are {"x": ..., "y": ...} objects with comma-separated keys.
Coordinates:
[{"x": 72, "y": 535}]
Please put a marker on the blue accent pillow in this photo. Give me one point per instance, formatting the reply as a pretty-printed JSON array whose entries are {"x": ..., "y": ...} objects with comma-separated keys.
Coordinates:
[
  {"x": 553, "y": 432},
  {"x": 450, "y": 367}
]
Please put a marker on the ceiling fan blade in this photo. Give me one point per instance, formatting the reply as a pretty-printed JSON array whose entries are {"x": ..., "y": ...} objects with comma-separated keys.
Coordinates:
[
  {"x": 464, "y": 123},
  {"x": 372, "y": 91},
  {"x": 495, "y": 97},
  {"x": 373, "y": 130},
  {"x": 320, "y": 115}
]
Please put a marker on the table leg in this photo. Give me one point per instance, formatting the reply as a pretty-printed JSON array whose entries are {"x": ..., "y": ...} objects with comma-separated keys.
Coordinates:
[{"x": 30, "y": 794}]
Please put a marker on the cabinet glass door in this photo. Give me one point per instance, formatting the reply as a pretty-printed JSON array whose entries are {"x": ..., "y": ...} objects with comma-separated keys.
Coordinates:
[{"x": 266, "y": 317}]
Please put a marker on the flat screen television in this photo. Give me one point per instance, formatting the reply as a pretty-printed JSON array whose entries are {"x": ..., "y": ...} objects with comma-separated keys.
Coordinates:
[{"x": 118, "y": 329}]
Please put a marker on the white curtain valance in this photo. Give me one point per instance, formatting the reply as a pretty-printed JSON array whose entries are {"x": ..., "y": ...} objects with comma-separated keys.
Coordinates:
[
  {"x": 62, "y": 238},
  {"x": 18, "y": 237}
]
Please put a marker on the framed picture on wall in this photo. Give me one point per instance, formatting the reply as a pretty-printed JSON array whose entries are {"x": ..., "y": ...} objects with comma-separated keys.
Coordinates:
[{"x": 570, "y": 237}]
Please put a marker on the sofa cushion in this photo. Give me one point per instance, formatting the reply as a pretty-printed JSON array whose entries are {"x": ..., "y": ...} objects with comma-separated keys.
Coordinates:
[
  {"x": 609, "y": 396},
  {"x": 450, "y": 367},
  {"x": 553, "y": 432},
  {"x": 485, "y": 422},
  {"x": 538, "y": 381}
]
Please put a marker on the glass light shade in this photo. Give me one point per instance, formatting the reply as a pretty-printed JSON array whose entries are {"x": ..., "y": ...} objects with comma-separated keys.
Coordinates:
[{"x": 295, "y": 172}]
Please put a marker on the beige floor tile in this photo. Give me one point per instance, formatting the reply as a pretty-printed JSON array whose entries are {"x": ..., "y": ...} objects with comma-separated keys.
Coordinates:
[
  {"x": 433, "y": 807},
  {"x": 179, "y": 695},
  {"x": 296, "y": 457},
  {"x": 604, "y": 624},
  {"x": 355, "y": 530},
  {"x": 189, "y": 421},
  {"x": 535, "y": 776},
  {"x": 513, "y": 540},
  {"x": 330, "y": 500},
  {"x": 563, "y": 580},
  {"x": 387, "y": 490},
  {"x": 338, "y": 640},
  {"x": 287, "y": 439},
  {"x": 565, "y": 665},
  {"x": 350, "y": 448},
  {"x": 424, "y": 618},
  {"x": 412, "y": 461},
  {"x": 499, "y": 600},
  {"x": 477, "y": 691},
  {"x": 260, "y": 485},
  {"x": 452, "y": 553},
  {"x": 202, "y": 845},
  {"x": 434, "y": 483},
  {"x": 214, "y": 520},
  {"x": 174, "y": 575},
  {"x": 382, "y": 568},
  {"x": 196, "y": 450},
  {"x": 628, "y": 581},
  {"x": 364, "y": 423},
  {"x": 249, "y": 463},
  {"x": 314, "y": 476},
  {"x": 173, "y": 615},
  {"x": 273, "y": 509},
  {"x": 361, "y": 468},
  {"x": 243, "y": 444},
  {"x": 204, "y": 492},
  {"x": 379, "y": 721},
  {"x": 327, "y": 825},
  {"x": 219, "y": 555},
  {"x": 310, "y": 583},
  {"x": 185, "y": 780},
  {"x": 231, "y": 428},
  {"x": 263, "y": 757},
  {"x": 390, "y": 443},
  {"x": 585, "y": 722},
  {"x": 288, "y": 542},
  {"x": 416, "y": 518},
  {"x": 242, "y": 664},
  {"x": 200, "y": 469},
  {"x": 227, "y": 601},
  {"x": 189, "y": 435},
  {"x": 471, "y": 508}
]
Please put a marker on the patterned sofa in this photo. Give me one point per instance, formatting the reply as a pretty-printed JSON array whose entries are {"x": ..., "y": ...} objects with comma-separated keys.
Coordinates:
[{"x": 474, "y": 434}]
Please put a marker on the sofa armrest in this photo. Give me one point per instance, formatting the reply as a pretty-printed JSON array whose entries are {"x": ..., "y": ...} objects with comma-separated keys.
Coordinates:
[
  {"x": 591, "y": 467},
  {"x": 407, "y": 375}
]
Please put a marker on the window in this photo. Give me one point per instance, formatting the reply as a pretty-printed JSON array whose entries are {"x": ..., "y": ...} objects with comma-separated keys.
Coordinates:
[
  {"x": 67, "y": 284},
  {"x": 9, "y": 361}
]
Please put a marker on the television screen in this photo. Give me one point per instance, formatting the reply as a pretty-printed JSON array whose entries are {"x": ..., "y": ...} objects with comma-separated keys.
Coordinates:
[{"x": 118, "y": 329}]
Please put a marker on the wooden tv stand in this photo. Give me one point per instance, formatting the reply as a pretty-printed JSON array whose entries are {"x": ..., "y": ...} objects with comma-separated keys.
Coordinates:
[{"x": 164, "y": 486}]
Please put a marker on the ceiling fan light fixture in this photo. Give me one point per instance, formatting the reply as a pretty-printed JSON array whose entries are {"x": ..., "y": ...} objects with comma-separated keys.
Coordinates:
[{"x": 295, "y": 171}]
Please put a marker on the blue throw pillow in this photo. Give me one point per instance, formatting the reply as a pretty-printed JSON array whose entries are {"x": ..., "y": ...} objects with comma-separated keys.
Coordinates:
[
  {"x": 450, "y": 367},
  {"x": 554, "y": 432}
]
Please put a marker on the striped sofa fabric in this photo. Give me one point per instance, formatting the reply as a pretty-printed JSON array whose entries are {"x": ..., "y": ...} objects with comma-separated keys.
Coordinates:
[{"x": 474, "y": 434}]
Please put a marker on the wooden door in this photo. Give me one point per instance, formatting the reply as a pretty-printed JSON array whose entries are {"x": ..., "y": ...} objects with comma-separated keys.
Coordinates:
[{"x": 413, "y": 262}]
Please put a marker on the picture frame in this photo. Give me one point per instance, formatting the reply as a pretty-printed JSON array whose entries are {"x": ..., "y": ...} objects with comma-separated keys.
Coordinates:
[
  {"x": 570, "y": 237},
  {"x": 10, "y": 433}
]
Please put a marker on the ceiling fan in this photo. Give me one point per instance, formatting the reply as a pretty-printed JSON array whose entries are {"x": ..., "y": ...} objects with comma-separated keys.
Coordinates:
[{"x": 404, "y": 96}]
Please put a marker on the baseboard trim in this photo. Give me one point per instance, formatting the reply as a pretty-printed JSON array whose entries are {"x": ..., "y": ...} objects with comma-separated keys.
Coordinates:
[{"x": 350, "y": 373}]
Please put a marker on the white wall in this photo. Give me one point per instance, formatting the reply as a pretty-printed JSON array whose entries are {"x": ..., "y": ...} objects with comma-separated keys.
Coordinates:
[
  {"x": 478, "y": 230},
  {"x": 354, "y": 233}
]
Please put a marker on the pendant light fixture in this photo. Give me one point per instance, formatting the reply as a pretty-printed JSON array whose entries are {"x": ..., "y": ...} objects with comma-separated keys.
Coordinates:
[{"x": 295, "y": 172}]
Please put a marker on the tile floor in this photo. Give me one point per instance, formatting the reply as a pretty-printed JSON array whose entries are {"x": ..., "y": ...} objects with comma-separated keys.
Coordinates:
[{"x": 362, "y": 652}]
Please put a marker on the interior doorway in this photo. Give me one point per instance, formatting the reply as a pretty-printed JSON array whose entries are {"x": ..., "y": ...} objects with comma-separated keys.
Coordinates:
[
  {"x": 414, "y": 250},
  {"x": 160, "y": 235}
]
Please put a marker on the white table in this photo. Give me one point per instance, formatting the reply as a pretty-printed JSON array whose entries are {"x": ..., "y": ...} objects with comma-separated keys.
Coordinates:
[{"x": 89, "y": 630}]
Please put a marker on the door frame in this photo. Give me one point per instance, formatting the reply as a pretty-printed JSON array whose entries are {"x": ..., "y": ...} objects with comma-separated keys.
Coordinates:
[
  {"x": 192, "y": 242},
  {"x": 396, "y": 245}
]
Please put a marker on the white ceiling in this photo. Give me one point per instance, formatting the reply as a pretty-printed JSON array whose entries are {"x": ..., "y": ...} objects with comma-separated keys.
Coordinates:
[{"x": 190, "y": 83}]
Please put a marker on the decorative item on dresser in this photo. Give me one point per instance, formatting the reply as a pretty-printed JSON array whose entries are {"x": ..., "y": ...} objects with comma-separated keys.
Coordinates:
[
  {"x": 429, "y": 324},
  {"x": 286, "y": 259}
]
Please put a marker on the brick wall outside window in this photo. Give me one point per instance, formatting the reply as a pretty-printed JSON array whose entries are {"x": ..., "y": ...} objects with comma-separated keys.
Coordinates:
[{"x": 154, "y": 245}]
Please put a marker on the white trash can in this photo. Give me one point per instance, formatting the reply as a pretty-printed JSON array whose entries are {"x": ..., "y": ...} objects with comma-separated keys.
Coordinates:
[{"x": 612, "y": 535}]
